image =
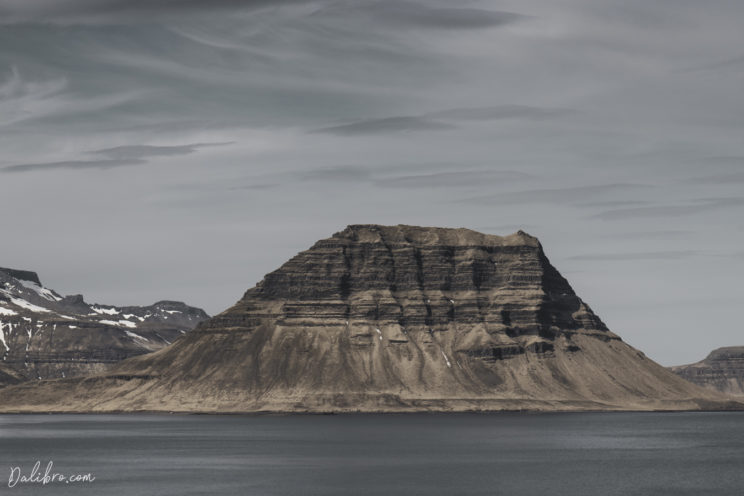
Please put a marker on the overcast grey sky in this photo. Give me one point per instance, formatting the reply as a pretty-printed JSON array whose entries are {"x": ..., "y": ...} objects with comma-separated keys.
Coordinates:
[{"x": 178, "y": 151}]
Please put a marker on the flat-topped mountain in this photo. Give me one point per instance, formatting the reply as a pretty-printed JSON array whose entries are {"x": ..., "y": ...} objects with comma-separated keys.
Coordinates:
[
  {"x": 45, "y": 335},
  {"x": 399, "y": 318},
  {"x": 722, "y": 370}
]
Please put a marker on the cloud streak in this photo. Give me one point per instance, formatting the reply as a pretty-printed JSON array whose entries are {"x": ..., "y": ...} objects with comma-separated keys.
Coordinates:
[
  {"x": 628, "y": 257},
  {"x": 442, "y": 120},
  {"x": 498, "y": 112},
  {"x": 107, "y": 11},
  {"x": 569, "y": 195},
  {"x": 386, "y": 125},
  {"x": 414, "y": 14},
  {"x": 71, "y": 164},
  {"x": 119, "y": 156},
  {"x": 453, "y": 179},
  {"x": 702, "y": 206}
]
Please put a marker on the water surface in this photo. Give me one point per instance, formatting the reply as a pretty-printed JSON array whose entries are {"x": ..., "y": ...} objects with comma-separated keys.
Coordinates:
[{"x": 571, "y": 454}]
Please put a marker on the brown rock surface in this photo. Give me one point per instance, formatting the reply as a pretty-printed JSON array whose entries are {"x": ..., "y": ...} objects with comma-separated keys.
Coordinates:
[
  {"x": 722, "y": 370},
  {"x": 9, "y": 376},
  {"x": 398, "y": 318}
]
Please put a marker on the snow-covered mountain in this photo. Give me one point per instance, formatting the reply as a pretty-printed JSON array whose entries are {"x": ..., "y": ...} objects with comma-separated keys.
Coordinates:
[{"x": 46, "y": 335}]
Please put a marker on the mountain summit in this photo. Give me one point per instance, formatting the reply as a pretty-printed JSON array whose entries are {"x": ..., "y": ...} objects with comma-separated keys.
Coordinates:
[{"x": 391, "y": 318}]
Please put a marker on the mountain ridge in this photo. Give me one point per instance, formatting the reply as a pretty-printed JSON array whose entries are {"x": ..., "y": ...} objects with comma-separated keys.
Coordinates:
[
  {"x": 45, "y": 335},
  {"x": 391, "y": 318}
]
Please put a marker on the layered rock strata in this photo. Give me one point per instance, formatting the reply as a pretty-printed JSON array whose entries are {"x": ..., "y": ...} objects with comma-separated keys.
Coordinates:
[
  {"x": 722, "y": 370},
  {"x": 399, "y": 318}
]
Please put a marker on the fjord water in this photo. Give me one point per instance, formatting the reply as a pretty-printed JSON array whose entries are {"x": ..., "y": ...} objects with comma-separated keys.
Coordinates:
[{"x": 440, "y": 454}]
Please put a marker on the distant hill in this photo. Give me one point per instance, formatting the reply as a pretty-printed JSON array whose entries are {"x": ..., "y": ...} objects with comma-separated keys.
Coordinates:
[
  {"x": 390, "y": 318},
  {"x": 45, "y": 335},
  {"x": 722, "y": 370}
]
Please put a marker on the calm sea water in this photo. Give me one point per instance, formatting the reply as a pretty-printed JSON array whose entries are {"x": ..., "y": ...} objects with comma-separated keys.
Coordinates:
[{"x": 484, "y": 454}]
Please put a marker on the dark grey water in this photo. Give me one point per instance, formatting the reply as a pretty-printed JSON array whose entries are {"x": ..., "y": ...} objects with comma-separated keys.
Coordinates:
[{"x": 489, "y": 454}]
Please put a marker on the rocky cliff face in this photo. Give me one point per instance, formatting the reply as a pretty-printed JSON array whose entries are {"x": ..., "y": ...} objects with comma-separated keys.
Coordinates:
[
  {"x": 722, "y": 370},
  {"x": 399, "y": 318},
  {"x": 44, "y": 335},
  {"x": 9, "y": 376}
]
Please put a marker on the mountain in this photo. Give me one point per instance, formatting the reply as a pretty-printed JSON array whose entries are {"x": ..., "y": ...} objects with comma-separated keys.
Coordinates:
[
  {"x": 45, "y": 335},
  {"x": 722, "y": 370},
  {"x": 390, "y": 318}
]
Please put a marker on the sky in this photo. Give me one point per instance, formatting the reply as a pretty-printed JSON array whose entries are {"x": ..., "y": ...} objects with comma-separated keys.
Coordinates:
[{"x": 183, "y": 149}]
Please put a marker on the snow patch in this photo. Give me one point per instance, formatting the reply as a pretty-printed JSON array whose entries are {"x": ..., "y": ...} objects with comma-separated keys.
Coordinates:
[
  {"x": 7, "y": 311},
  {"x": 446, "y": 360},
  {"x": 28, "y": 306},
  {"x": 122, "y": 323},
  {"x": 2, "y": 336},
  {"x": 107, "y": 311},
  {"x": 136, "y": 336},
  {"x": 40, "y": 290}
]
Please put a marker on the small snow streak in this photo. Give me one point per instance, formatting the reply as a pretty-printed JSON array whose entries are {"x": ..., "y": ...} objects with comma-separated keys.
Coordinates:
[{"x": 446, "y": 359}]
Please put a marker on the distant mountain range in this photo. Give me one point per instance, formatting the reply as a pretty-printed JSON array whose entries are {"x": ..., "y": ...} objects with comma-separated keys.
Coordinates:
[
  {"x": 45, "y": 335},
  {"x": 722, "y": 370},
  {"x": 382, "y": 319}
]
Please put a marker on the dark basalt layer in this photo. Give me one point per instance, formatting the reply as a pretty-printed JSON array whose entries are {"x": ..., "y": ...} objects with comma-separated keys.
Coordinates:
[
  {"x": 722, "y": 370},
  {"x": 23, "y": 275},
  {"x": 398, "y": 318}
]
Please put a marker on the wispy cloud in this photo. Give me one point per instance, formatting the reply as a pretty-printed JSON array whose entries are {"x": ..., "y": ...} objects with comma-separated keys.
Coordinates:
[
  {"x": 23, "y": 100},
  {"x": 107, "y": 11},
  {"x": 729, "y": 63},
  {"x": 146, "y": 151},
  {"x": 395, "y": 177},
  {"x": 726, "y": 178},
  {"x": 113, "y": 157},
  {"x": 453, "y": 179},
  {"x": 662, "y": 234},
  {"x": 386, "y": 125},
  {"x": 612, "y": 203},
  {"x": 705, "y": 205},
  {"x": 414, "y": 14},
  {"x": 442, "y": 119},
  {"x": 72, "y": 164},
  {"x": 648, "y": 255},
  {"x": 498, "y": 112},
  {"x": 570, "y": 195},
  {"x": 337, "y": 173}
]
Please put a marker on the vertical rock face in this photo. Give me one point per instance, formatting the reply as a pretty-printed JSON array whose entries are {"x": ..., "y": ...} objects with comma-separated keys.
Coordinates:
[
  {"x": 392, "y": 318},
  {"x": 722, "y": 370},
  {"x": 44, "y": 335}
]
